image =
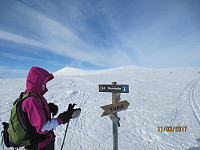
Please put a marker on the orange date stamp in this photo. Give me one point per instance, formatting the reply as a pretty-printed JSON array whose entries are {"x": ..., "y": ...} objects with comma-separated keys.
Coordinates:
[{"x": 172, "y": 128}]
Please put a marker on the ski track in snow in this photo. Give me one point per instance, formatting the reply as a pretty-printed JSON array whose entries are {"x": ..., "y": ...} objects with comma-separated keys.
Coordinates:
[{"x": 193, "y": 101}]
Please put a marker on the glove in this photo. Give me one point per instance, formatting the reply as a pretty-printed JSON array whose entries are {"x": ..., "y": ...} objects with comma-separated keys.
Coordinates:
[
  {"x": 67, "y": 115},
  {"x": 53, "y": 108}
]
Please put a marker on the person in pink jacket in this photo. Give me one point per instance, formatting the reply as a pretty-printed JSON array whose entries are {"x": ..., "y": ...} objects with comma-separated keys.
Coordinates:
[{"x": 37, "y": 115}]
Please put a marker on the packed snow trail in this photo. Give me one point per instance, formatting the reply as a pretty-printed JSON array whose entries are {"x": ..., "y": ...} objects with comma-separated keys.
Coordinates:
[{"x": 193, "y": 101}]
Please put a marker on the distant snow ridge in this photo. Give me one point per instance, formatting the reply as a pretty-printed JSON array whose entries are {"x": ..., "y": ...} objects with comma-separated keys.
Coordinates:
[{"x": 69, "y": 71}]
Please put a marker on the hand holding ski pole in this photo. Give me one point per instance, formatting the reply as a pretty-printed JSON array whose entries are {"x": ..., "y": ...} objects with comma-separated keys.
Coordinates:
[
  {"x": 70, "y": 113},
  {"x": 67, "y": 115}
]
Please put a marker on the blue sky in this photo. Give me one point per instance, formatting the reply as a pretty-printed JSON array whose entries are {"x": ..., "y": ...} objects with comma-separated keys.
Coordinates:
[{"x": 98, "y": 34}]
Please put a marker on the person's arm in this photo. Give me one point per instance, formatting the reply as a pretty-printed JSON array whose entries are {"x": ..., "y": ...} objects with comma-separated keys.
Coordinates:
[
  {"x": 51, "y": 125},
  {"x": 36, "y": 115}
]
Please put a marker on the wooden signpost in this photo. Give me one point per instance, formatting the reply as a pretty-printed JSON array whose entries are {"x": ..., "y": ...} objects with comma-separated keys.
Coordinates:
[{"x": 115, "y": 107}]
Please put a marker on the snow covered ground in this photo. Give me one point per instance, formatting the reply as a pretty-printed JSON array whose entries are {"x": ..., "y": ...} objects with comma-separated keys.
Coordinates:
[{"x": 157, "y": 97}]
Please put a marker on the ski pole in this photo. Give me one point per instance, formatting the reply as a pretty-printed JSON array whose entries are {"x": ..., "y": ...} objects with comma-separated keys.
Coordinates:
[
  {"x": 65, "y": 135},
  {"x": 74, "y": 115}
]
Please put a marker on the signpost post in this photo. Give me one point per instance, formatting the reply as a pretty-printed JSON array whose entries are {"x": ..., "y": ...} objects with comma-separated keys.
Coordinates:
[
  {"x": 115, "y": 107},
  {"x": 115, "y": 128},
  {"x": 115, "y": 119}
]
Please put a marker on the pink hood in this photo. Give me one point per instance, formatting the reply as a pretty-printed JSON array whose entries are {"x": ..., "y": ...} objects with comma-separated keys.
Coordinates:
[{"x": 37, "y": 79}]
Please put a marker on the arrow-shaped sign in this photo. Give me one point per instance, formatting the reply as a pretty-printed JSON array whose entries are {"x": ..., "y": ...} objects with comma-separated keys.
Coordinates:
[{"x": 114, "y": 108}]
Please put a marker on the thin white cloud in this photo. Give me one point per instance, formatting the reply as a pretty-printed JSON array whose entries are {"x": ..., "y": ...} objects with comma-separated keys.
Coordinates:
[
  {"x": 182, "y": 55},
  {"x": 16, "y": 38},
  {"x": 55, "y": 37},
  {"x": 2, "y": 67},
  {"x": 12, "y": 73},
  {"x": 18, "y": 57}
]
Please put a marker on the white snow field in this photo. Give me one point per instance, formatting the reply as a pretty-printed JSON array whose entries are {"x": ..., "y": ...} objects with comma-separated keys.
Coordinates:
[{"x": 164, "y": 98}]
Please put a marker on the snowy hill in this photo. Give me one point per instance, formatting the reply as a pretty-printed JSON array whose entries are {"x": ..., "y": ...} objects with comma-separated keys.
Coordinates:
[
  {"x": 158, "y": 98},
  {"x": 68, "y": 71}
]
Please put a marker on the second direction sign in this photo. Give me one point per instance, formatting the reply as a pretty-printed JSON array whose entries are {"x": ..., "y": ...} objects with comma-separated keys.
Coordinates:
[{"x": 114, "y": 108}]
